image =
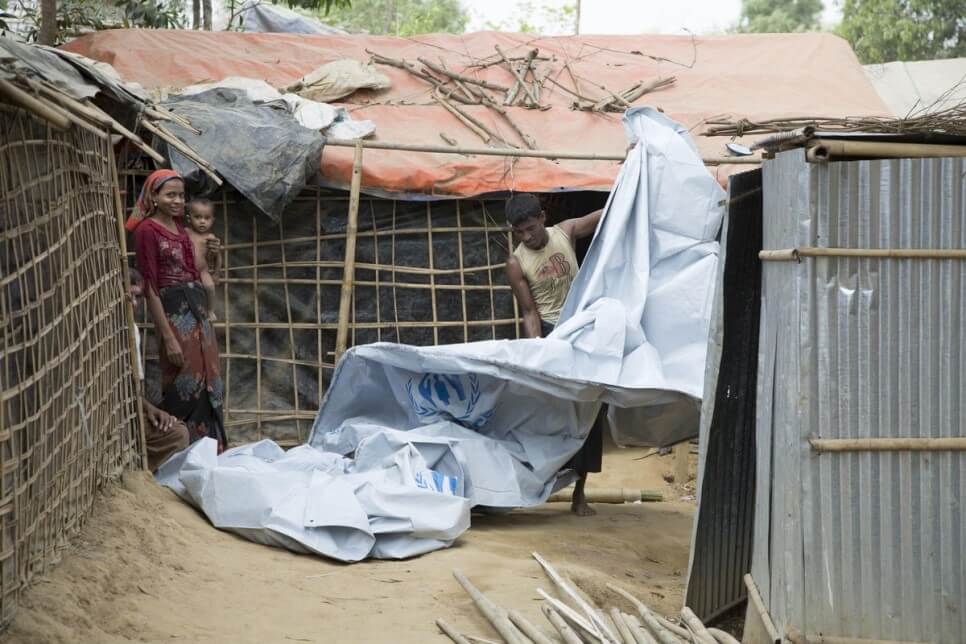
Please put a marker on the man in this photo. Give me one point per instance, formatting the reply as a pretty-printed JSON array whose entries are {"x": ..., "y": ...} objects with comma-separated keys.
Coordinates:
[
  {"x": 165, "y": 435},
  {"x": 541, "y": 270}
]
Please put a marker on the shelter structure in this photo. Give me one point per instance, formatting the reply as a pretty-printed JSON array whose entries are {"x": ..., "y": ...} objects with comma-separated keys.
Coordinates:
[
  {"x": 421, "y": 261},
  {"x": 69, "y": 402},
  {"x": 834, "y": 376}
]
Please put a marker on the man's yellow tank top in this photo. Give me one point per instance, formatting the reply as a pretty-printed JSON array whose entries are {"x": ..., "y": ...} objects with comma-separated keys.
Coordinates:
[{"x": 550, "y": 271}]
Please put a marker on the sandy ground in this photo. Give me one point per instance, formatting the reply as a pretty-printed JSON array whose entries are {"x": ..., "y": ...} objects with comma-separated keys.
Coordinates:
[{"x": 148, "y": 568}]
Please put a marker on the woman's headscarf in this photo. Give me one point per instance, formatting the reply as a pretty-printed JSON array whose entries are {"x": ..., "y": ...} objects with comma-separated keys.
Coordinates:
[{"x": 145, "y": 202}]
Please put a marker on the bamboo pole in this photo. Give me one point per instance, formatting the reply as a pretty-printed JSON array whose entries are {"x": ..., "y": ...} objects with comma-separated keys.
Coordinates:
[
  {"x": 681, "y": 454},
  {"x": 567, "y": 633},
  {"x": 227, "y": 300},
  {"x": 592, "y": 612},
  {"x": 495, "y": 615},
  {"x": 291, "y": 331},
  {"x": 699, "y": 631},
  {"x": 42, "y": 110},
  {"x": 451, "y": 632},
  {"x": 572, "y": 617},
  {"x": 622, "y": 627},
  {"x": 432, "y": 266},
  {"x": 521, "y": 77},
  {"x": 183, "y": 148},
  {"x": 608, "y": 495},
  {"x": 258, "y": 329},
  {"x": 318, "y": 299},
  {"x": 527, "y": 628},
  {"x": 459, "y": 243},
  {"x": 662, "y": 634},
  {"x": 641, "y": 634},
  {"x": 516, "y": 152},
  {"x": 352, "y": 225},
  {"x": 754, "y": 598},
  {"x": 944, "y": 444},
  {"x": 823, "y": 150},
  {"x": 464, "y": 119},
  {"x": 674, "y": 628},
  {"x": 721, "y": 637},
  {"x": 129, "y": 311},
  {"x": 795, "y": 254},
  {"x": 797, "y": 637}
]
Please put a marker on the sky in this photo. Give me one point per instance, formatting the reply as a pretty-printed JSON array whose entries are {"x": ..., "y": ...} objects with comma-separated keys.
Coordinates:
[{"x": 625, "y": 16}]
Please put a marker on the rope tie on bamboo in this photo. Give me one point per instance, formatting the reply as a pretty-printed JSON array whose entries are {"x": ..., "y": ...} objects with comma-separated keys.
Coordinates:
[{"x": 796, "y": 254}]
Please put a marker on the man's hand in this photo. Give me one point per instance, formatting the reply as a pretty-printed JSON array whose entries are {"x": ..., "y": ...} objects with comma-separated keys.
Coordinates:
[{"x": 159, "y": 419}]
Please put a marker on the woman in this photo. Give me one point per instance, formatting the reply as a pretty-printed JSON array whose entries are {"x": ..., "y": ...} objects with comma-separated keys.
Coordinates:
[{"x": 191, "y": 386}]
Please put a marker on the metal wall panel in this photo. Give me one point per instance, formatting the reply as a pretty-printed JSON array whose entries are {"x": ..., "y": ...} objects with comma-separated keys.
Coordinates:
[
  {"x": 721, "y": 551},
  {"x": 863, "y": 544}
]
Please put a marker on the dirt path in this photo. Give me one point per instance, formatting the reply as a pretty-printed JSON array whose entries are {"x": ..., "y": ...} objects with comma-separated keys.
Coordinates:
[{"x": 148, "y": 568}]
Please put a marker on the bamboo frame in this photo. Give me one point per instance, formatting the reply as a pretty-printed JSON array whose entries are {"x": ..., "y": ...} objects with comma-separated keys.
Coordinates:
[
  {"x": 69, "y": 403},
  {"x": 515, "y": 152},
  {"x": 283, "y": 289},
  {"x": 352, "y": 228},
  {"x": 944, "y": 444},
  {"x": 796, "y": 254}
]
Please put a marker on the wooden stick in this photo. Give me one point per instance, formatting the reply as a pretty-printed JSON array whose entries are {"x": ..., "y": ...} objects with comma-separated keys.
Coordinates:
[
  {"x": 459, "y": 245},
  {"x": 503, "y": 152},
  {"x": 677, "y": 629},
  {"x": 463, "y": 118},
  {"x": 663, "y": 635},
  {"x": 256, "y": 289},
  {"x": 592, "y": 612},
  {"x": 521, "y": 78},
  {"x": 641, "y": 634},
  {"x": 946, "y": 444},
  {"x": 722, "y": 637},
  {"x": 451, "y": 632},
  {"x": 795, "y": 254},
  {"x": 573, "y": 617},
  {"x": 527, "y": 141},
  {"x": 348, "y": 274},
  {"x": 98, "y": 116},
  {"x": 698, "y": 630},
  {"x": 495, "y": 615},
  {"x": 682, "y": 453},
  {"x": 567, "y": 633},
  {"x": 449, "y": 140},
  {"x": 460, "y": 77},
  {"x": 754, "y": 599},
  {"x": 53, "y": 115},
  {"x": 166, "y": 115},
  {"x": 181, "y": 147},
  {"x": 527, "y": 628},
  {"x": 615, "y": 495},
  {"x": 432, "y": 266},
  {"x": 622, "y": 627},
  {"x": 422, "y": 75}
]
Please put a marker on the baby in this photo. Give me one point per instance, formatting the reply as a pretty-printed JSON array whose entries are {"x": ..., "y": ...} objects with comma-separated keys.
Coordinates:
[{"x": 207, "y": 260}]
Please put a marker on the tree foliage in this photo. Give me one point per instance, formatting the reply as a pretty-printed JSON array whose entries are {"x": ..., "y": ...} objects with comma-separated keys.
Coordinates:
[
  {"x": 779, "y": 16},
  {"x": 885, "y": 30},
  {"x": 529, "y": 17},
  {"x": 399, "y": 17}
]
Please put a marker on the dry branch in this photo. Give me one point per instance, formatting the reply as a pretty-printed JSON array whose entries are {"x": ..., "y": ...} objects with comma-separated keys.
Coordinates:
[
  {"x": 521, "y": 77},
  {"x": 460, "y": 77}
]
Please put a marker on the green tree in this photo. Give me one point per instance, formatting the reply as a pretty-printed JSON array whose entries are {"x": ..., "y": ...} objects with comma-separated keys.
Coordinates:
[
  {"x": 399, "y": 17},
  {"x": 885, "y": 30},
  {"x": 779, "y": 16},
  {"x": 552, "y": 19}
]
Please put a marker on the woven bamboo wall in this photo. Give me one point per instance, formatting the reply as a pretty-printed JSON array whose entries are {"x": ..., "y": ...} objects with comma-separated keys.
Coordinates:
[
  {"x": 426, "y": 273},
  {"x": 68, "y": 397}
]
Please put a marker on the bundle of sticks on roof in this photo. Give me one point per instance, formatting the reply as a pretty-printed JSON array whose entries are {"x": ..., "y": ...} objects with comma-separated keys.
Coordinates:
[
  {"x": 574, "y": 618},
  {"x": 943, "y": 116},
  {"x": 530, "y": 73}
]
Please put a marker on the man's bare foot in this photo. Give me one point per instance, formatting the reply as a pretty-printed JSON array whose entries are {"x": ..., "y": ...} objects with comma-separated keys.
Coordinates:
[
  {"x": 578, "y": 504},
  {"x": 582, "y": 508}
]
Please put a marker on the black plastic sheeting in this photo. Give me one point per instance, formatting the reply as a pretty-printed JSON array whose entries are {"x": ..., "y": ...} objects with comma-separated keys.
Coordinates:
[
  {"x": 262, "y": 151},
  {"x": 723, "y": 539}
]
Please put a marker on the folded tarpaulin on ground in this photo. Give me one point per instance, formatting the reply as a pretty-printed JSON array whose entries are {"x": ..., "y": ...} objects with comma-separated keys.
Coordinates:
[{"x": 499, "y": 419}]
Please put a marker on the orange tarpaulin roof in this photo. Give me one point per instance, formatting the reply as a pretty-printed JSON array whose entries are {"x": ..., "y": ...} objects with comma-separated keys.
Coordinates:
[{"x": 752, "y": 76}]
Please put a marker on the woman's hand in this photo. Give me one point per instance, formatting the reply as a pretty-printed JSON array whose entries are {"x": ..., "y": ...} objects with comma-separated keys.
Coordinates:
[
  {"x": 173, "y": 351},
  {"x": 160, "y": 420}
]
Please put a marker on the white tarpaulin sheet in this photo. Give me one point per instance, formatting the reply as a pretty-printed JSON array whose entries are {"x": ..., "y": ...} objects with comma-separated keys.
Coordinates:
[{"x": 434, "y": 430}]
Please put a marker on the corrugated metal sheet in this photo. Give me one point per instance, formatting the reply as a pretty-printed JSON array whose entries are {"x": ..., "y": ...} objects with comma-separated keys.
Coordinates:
[
  {"x": 864, "y": 544},
  {"x": 721, "y": 552}
]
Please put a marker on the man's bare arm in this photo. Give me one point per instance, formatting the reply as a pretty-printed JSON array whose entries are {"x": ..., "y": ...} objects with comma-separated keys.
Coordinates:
[
  {"x": 581, "y": 227},
  {"x": 521, "y": 291}
]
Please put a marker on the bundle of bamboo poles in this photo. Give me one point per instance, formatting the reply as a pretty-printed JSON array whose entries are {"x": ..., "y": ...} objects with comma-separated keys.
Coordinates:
[{"x": 576, "y": 619}]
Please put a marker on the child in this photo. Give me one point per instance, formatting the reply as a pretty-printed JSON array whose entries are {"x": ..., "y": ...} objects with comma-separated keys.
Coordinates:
[{"x": 200, "y": 220}]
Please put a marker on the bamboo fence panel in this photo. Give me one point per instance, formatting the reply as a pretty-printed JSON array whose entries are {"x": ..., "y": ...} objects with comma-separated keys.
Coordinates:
[
  {"x": 426, "y": 273},
  {"x": 69, "y": 400}
]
